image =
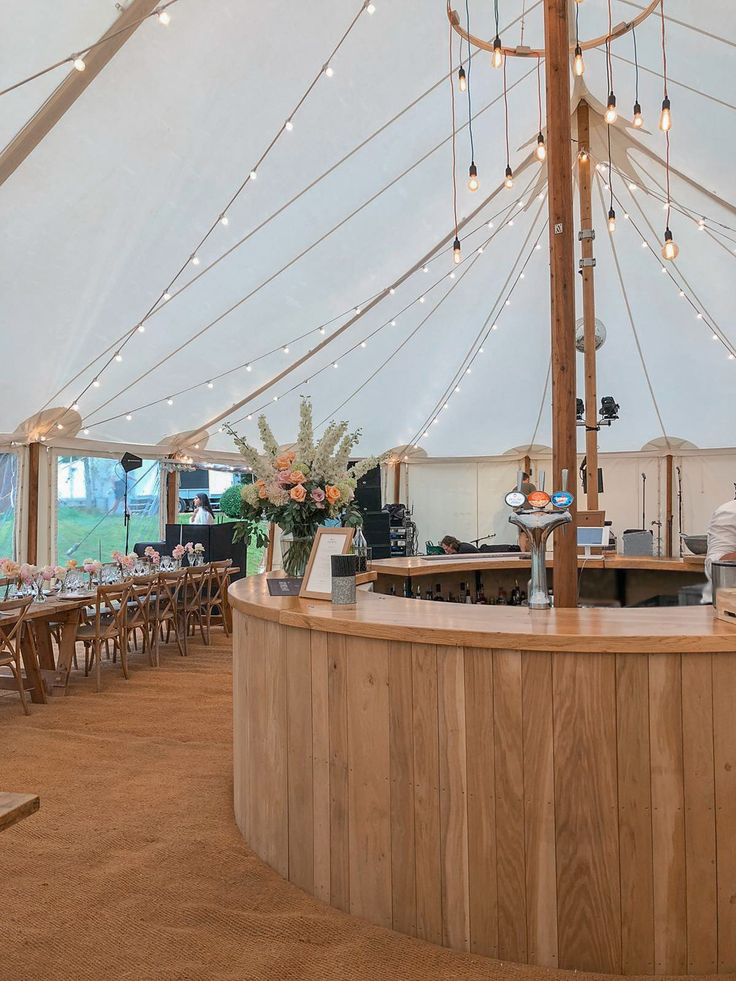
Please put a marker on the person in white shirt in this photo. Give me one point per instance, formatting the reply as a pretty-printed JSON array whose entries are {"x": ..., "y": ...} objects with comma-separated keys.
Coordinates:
[
  {"x": 721, "y": 541},
  {"x": 202, "y": 514}
]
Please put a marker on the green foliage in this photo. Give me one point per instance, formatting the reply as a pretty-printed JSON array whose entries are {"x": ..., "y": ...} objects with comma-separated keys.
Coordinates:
[{"x": 231, "y": 503}]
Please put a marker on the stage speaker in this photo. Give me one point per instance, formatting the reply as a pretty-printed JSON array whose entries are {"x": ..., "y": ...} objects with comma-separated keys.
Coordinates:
[
  {"x": 368, "y": 491},
  {"x": 376, "y": 528},
  {"x": 600, "y": 481},
  {"x": 129, "y": 461}
]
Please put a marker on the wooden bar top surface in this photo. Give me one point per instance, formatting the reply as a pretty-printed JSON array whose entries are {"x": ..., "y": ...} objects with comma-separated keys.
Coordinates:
[
  {"x": 419, "y": 565},
  {"x": 651, "y": 630}
]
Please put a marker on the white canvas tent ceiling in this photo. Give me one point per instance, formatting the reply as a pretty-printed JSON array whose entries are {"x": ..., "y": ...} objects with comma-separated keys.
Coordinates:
[{"x": 109, "y": 205}]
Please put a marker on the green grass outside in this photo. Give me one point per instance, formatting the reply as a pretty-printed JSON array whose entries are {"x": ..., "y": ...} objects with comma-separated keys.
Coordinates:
[{"x": 77, "y": 525}]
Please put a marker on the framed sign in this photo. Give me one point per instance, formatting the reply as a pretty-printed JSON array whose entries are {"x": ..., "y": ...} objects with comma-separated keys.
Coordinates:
[{"x": 317, "y": 582}]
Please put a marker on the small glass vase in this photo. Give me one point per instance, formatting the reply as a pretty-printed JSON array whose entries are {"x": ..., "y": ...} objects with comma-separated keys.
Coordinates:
[
  {"x": 40, "y": 596},
  {"x": 295, "y": 552}
]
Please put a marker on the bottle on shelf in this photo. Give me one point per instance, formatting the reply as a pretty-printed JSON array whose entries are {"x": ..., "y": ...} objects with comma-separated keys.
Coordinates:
[
  {"x": 360, "y": 549},
  {"x": 438, "y": 597},
  {"x": 418, "y": 593},
  {"x": 524, "y": 601},
  {"x": 502, "y": 599},
  {"x": 407, "y": 589},
  {"x": 392, "y": 590},
  {"x": 551, "y": 598},
  {"x": 428, "y": 594},
  {"x": 515, "y": 595},
  {"x": 481, "y": 597},
  {"x": 450, "y": 597},
  {"x": 463, "y": 590}
]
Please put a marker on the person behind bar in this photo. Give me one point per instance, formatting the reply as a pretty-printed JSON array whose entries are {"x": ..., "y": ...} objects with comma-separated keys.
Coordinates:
[
  {"x": 721, "y": 541},
  {"x": 452, "y": 546}
]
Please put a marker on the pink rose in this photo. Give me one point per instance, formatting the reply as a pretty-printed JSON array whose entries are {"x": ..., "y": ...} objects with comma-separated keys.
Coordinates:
[
  {"x": 284, "y": 478},
  {"x": 318, "y": 496}
]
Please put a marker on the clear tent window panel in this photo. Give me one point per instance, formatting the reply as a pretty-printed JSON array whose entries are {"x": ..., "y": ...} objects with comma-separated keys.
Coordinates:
[
  {"x": 90, "y": 506},
  {"x": 8, "y": 503}
]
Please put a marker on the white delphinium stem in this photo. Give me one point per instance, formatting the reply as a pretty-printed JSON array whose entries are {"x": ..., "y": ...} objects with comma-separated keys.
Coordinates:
[
  {"x": 267, "y": 437},
  {"x": 305, "y": 440}
]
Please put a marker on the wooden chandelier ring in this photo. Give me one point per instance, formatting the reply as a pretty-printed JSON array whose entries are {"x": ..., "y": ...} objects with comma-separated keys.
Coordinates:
[{"x": 524, "y": 52}]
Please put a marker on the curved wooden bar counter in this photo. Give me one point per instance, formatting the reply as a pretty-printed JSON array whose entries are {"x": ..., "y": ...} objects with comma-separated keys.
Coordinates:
[{"x": 554, "y": 789}]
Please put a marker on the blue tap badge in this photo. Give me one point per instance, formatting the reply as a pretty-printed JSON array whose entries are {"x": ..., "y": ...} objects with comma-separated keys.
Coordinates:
[{"x": 562, "y": 499}]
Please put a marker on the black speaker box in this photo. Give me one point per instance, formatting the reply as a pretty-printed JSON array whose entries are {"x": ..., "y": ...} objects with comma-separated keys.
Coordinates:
[
  {"x": 376, "y": 526},
  {"x": 368, "y": 491}
]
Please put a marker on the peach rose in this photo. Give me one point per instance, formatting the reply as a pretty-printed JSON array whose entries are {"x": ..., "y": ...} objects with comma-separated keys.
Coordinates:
[
  {"x": 332, "y": 493},
  {"x": 298, "y": 493},
  {"x": 285, "y": 460},
  {"x": 262, "y": 493},
  {"x": 297, "y": 477}
]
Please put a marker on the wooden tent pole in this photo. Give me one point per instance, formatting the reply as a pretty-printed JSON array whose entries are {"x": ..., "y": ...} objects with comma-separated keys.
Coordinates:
[
  {"x": 172, "y": 497},
  {"x": 669, "y": 514},
  {"x": 586, "y": 248},
  {"x": 34, "y": 456},
  {"x": 397, "y": 482},
  {"x": 562, "y": 283}
]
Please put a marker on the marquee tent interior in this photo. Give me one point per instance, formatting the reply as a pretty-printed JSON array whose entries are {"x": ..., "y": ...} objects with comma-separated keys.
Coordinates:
[{"x": 106, "y": 210}]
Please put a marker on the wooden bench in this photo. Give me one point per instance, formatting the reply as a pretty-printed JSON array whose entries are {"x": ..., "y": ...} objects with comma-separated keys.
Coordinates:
[{"x": 15, "y": 807}]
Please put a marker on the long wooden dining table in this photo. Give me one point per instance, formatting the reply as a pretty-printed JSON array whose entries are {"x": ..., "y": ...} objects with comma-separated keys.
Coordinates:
[{"x": 46, "y": 675}]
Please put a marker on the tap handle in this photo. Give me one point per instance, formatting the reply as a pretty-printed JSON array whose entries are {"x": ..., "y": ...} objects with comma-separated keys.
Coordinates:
[
  {"x": 519, "y": 479},
  {"x": 564, "y": 479},
  {"x": 541, "y": 480}
]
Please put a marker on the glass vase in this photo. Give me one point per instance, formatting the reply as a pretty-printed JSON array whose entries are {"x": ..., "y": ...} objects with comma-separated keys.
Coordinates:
[{"x": 295, "y": 552}]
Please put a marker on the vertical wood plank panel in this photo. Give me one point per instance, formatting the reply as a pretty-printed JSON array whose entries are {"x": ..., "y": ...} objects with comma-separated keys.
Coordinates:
[
  {"x": 635, "y": 814},
  {"x": 453, "y": 798},
  {"x": 241, "y": 750},
  {"x": 481, "y": 801},
  {"x": 426, "y": 793},
  {"x": 369, "y": 795},
  {"x": 539, "y": 809},
  {"x": 668, "y": 824},
  {"x": 254, "y": 722},
  {"x": 321, "y": 766},
  {"x": 724, "y": 700},
  {"x": 338, "y": 726},
  {"x": 509, "y": 774},
  {"x": 700, "y": 826},
  {"x": 268, "y": 786},
  {"x": 589, "y": 900},
  {"x": 299, "y": 729},
  {"x": 401, "y": 747}
]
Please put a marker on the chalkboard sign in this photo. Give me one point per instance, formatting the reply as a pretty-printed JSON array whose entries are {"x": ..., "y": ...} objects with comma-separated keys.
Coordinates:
[{"x": 288, "y": 586}]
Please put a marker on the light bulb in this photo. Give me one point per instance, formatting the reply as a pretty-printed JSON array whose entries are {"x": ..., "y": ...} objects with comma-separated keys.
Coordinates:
[
  {"x": 611, "y": 115},
  {"x": 129, "y": 417},
  {"x": 370, "y": 8},
  {"x": 79, "y": 64},
  {"x": 578, "y": 63},
  {"x": 462, "y": 82},
  {"x": 329, "y": 71},
  {"x": 285, "y": 349},
  {"x": 96, "y": 383},
  {"x": 456, "y": 250},
  {"x": 141, "y": 328},
  {"x": 289, "y": 125},
  {"x": 167, "y": 296},
  {"x": 670, "y": 249},
  {"x": 473, "y": 182},
  {"x": 164, "y": 18},
  {"x": 169, "y": 401},
  {"x": 497, "y": 55},
  {"x": 118, "y": 356},
  {"x": 59, "y": 425},
  {"x": 224, "y": 220},
  {"x": 638, "y": 121},
  {"x": 86, "y": 432},
  {"x": 75, "y": 407},
  {"x": 210, "y": 384},
  {"x": 541, "y": 150},
  {"x": 665, "y": 116},
  {"x": 195, "y": 260},
  {"x": 611, "y": 220},
  {"x": 253, "y": 175},
  {"x": 249, "y": 367},
  {"x": 583, "y": 156},
  {"x": 509, "y": 179}
]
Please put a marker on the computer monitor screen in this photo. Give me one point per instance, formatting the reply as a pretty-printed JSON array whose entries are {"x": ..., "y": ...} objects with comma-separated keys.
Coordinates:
[{"x": 592, "y": 537}]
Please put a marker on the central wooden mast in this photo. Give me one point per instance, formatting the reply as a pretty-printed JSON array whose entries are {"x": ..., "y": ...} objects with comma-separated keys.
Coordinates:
[{"x": 562, "y": 282}]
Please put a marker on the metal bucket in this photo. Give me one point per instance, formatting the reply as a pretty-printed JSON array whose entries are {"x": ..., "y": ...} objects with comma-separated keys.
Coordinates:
[{"x": 723, "y": 576}]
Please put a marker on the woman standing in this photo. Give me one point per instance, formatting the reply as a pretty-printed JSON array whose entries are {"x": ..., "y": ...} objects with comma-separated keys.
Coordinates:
[{"x": 202, "y": 514}]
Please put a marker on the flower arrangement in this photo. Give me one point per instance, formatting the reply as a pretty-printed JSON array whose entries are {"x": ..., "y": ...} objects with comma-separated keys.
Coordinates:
[
  {"x": 152, "y": 555},
  {"x": 300, "y": 487},
  {"x": 178, "y": 552}
]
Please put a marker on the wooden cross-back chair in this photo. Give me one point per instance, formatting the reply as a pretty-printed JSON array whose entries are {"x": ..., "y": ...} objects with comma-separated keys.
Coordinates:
[
  {"x": 109, "y": 623},
  {"x": 142, "y": 612},
  {"x": 195, "y": 601},
  {"x": 216, "y": 598},
  {"x": 12, "y": 623},
  {"x": 170, "y": 588}
]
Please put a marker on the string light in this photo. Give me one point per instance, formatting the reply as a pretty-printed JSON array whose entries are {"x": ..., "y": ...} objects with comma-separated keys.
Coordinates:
[
  {"x": 578, "y": 63},
  {"x": 462, "y": 82},
  {"x": 497, "y": 58},
  {"x": 169, "y": 401},
  {"x": 457, "y": 251},
  {"x": 210, "y": 384},
  {"x": 224, "y": 220},
  {"x": 638, "y": 121},
  {"x": 611, "y": 113},
  {"x": 670, "y": 249},
  {"x": 164, "y": 18},
  {"x": 288, "y": 126},
  {"x": 253, "y": 175},
  {"x": 611, "y": 220},
  {"x": 509, "y": 180},
  {"x": 79, "y": 64},
  {"x": 540, "y": 151},
  {"x": 509, "y": 175},
  {"x": 329, "y": 71},
  {"x": 118, "y": 356},
  {"x": 75, "y": 407},
  {"x": 665, "y": 116},
  {"x": 370, "y": 8},
  {"x": 473, "y": 182}
]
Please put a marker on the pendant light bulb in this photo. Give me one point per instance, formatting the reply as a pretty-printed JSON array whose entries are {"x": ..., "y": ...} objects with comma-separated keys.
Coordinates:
[
  {"x": 462, "y": 81},
  {"x": 540, "y": 151},
  {"x": 670, "y": 249},
  {"x": 611, "y": 114},
  {"x": 611, "y": 220},
  {"x": 164, "y": 18},
  {"x": 456, "y": 251},
  {"x": 509, "y": 180},
  {"x": 79, "y": 63},
  {"x": 497, "y": 55},
  {"x": 473, "y": 182},
  {"x": 665, "y": 117},
  {"x": 578, "y": 63},
  {"x": 638, "y": 121}
]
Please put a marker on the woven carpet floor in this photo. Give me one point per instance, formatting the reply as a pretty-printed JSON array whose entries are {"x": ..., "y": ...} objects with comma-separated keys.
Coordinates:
[{"x": 134, "y": 867}]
